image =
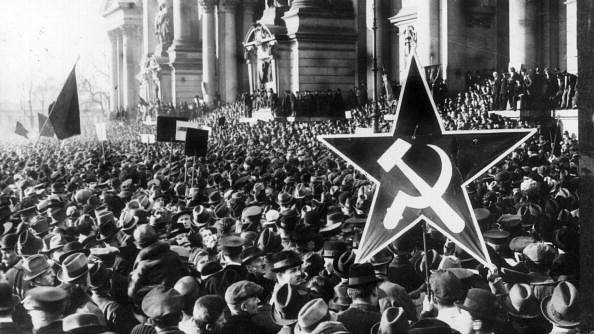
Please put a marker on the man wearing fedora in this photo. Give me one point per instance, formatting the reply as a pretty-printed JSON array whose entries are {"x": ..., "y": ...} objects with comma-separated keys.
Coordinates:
[
  {"x": 74, "y": 278},
  {"x": 485, "y": 311},
  {"x": 242, "y": 299},
  {"x": 287, "y": 301},
  {"x": 523, "y": 311},
  {"x": 155, "y": 263},
  {"x": 391, "y": 294},
  {"x": 45, "y": 306},
  {"x": 562, "y": 309},
  {"x": 363, "y": 312}
]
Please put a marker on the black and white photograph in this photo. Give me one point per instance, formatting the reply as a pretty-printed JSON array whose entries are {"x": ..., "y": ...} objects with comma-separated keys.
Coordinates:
[{"x": 296, "y": 166}]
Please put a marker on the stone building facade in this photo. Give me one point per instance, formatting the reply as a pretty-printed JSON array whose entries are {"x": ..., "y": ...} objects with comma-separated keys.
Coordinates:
[{"x": 174, "y": 50}]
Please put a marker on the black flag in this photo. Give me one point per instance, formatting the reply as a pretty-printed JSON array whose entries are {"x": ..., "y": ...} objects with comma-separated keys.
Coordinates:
[
  {"x": 65, "y": 115},
  {"x": 45, "y": 127},
  {"x": 21, "y": 131}
]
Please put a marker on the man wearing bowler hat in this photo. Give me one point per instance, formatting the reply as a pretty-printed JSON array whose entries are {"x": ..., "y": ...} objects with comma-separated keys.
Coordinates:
[{"x": 363, "y": 312}]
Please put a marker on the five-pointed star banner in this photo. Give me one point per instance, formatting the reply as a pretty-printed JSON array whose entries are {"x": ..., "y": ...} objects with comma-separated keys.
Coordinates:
[{"x": 421, "y": 171}]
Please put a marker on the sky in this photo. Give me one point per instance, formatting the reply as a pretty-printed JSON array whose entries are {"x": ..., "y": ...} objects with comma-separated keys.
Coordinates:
[{"x": 40, "y": 41}]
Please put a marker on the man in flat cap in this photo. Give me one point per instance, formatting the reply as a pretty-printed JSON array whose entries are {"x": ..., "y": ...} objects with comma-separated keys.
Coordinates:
[
  {"x": 46, "y": 305},
  {"x": 242, "y": 299},
  {"x": 163, "y": 306}
]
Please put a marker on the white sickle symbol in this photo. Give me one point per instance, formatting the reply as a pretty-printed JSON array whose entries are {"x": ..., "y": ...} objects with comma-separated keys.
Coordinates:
[{"x": 430, "y": 196}]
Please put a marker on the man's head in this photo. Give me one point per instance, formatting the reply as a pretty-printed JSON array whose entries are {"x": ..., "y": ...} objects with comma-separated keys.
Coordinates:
[
  {"x": 45, "y": 305},
  {"x": 446, "y": 287},
  {"x": 362, "y": 283},
  {"x": 209, "y": 312},
  {"x": 163, "y": 306},
  {"x": 287, "y": 267},
  {"x": 243, "y": 297},
  {"x": 7, "y": 248},
  {"x": 253, "y": 260}
]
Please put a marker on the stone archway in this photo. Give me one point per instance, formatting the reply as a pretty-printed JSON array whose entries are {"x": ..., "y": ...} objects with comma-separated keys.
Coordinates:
[{"x": 260, "y": 53}]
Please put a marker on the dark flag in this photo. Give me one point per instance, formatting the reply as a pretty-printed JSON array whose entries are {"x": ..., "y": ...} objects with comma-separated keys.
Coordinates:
[
  {"x": 65, "y": 115},
  {"x": 196, "y": 142},
  {"x": 21, "y": 131},
  {"x": 45, "y": 127},
  {"x": 142, "y": 101}
]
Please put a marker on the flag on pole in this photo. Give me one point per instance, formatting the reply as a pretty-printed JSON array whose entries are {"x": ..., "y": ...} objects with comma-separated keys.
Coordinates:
[
  {"x": 45, "y": 127},
  {"x": 21, "y": 131},
  {"x": 101, "y": 131},
  {"x": 65, "y": 115}
]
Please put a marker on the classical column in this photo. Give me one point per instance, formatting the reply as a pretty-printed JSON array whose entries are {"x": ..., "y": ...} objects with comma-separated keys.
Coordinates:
[
  {"x": 184, "y": 53},
  {"x": 572, "y": 61},
  {"x": 130, "y": 85},
  {"x": 522, "y": 33},
  {"x": 149, "y": 39},
  {"x": 229, "y": 9},
  {"x": 248, "y": 11},
  {"x": 113, "y": 67},
  {"x": 185, "y": 24},
  {"x": 119, "y": 69},
  {"x": 208, "y": 50}
]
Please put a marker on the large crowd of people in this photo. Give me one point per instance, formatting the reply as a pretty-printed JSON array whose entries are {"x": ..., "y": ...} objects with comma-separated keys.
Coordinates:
[
  {"x": 537, "y": 89},
  {"x": 260, "y": 236}
]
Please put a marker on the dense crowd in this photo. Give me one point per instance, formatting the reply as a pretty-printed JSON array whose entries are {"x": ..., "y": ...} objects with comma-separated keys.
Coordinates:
[
  {"x": 260, "y": 235},
  {"x": 536, "y": 89}
]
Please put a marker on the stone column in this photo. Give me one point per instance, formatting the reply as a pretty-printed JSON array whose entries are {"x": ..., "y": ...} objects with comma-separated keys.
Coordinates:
[
  {"x": 119, "y": 69},
  {"x": 229, "y": 9},
  {"x": 522, "y": 33},
  {"x": 130, "y": 85},
  {"x": 185, "y": 24},
  {"x": 572, "y": 62},
  {"x": 208, "y": 51},
  {"x": 113, "y": 67},
  {"x": 149, "y": 39},
  {"x": 184, "y": 53},
  {"x": 248, "y": 11}
]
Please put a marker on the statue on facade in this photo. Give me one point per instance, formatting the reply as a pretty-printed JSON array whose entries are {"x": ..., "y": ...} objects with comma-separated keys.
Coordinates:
[
  {"x": 410, "y": 39},
  {"x": 163, "y": 25}
]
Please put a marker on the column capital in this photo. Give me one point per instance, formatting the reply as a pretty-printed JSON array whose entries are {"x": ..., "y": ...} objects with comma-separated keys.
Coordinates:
[
  {"x": 228, "y": 5},
  {"x": 129, "y": 29},
  {"x": 208, "y": 5}
]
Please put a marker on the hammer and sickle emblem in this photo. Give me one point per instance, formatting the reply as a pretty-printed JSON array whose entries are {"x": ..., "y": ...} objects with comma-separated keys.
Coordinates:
[{"x": 430, "y": 196}]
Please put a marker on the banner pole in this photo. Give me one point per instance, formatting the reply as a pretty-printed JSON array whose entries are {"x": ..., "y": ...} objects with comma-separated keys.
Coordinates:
[
  {"x": 170, "y": 158},
  {"x": 424, "y": 224},
  {"x": 185, "y": 172},
  {"x": 193, "y": 170}
]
